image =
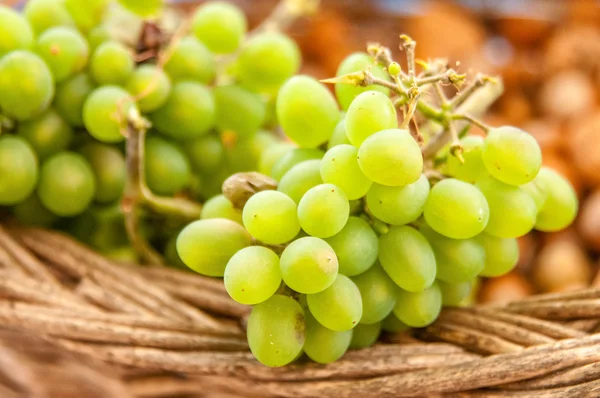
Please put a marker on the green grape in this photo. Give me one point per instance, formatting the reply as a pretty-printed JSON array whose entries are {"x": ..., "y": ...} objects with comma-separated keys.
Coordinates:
[
  {"x": 15, "y": 31},
  {"x": 150, "y": 83},
  {"x": 291, "y": 158},
  {"x": 536, "y": 192},
  {"x": 370, "y": 112},
  {"x": 501, "y": 254},
  {"x": 26, "y": 84},
  {"x": 191, "y": 60},
  {"x": 239, "y": 110},
  {"x": 339, "y": 306},
  {"x": 207, "y": 245},
  {"x": 453, "y": 294},
  {"x": 398, "y": 205},
  {"x": 245, "y": 153},
  {"x": 32, "y": 212},
  {"x": 340, "y": 167},
  {"x": 512, "y": 211},
  {"x": 47, "y": 134},
  {"x": 358, "y": 62},
  {"x": 66, "y": 185},
  {"x": 188, "y": 113},
  {"x": 44, "y": 14},
  {"x": 339, "y": 136},
  {"x": 143, "y": 8},
  {"x": 70, "y": 97},
  {"x": 267, "y": 60},
  {"x": 97, "y": 36},
  {"x": 111, "y": 63},
  {"x": 323, "y": 345},
  {"x": 407, "y": 258},
  {"x": 356, "y": 247},
  {"x": 205, "y": 153},
  {"x": 105, "y": 113},
  {"x": 308, "y": 265},
  {"x": 270, "y": 217},
  {"x": 457, "y": 260},
  {"x": 101, "y": 227},
  {"x": 220, "y": 207},
  {"x": 419, "y": 309},
  {"x": 168, "y": 170},
  {"x": 378, "y": 294},
  {"x": 18, "y": 170},
  {"x": 456, "y": 209},
  {"x": 300, "y": 178},
  {"x": 88, "y": 13},
  {"x": 323, "y": 210},
  {"x": 391, "y": 324},
  {"x": 110, "y": 170},
  {"x": 391, "y": 157},
  {"x": 511, "y": 155},
  {"x": 307, "y": 111},
  {"x": 272, "y": 155},
  {"x": 472, "y": 168},
  {"x": 364, "y": 336},
  {"x": 276, "y": 331},
  {"x": 65, "y": 51},
  {"x": 561, "y": 204},
  {"x": 252, "y": 275},
  {"x": 220, "y": 26}
]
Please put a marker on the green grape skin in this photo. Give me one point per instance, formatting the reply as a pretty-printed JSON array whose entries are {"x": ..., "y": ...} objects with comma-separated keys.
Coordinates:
[
  {"x": 220, "y": 26},
  {"x": 419, "y": 309},
  {"x": 244, "y": 153},
  {"x": 266, "y": 60},
  {"x": 369, "y": 112},
  {"x": 308, "y": 265},
  {"x": 512, "y": 211},
  {"x": 65, "y": 51},
  {"x": 398, "y": 205},
  {"x": 364, "y": 336},
  {"x": 473, "y": 168},
  {"x": 188, "y": 113},
  {"x": 276, "y": 331},
  {"x": 220, "y": 207},
  {"x": 340, "y": 167},
  {"x": 272, "y": 155},
  {"x": 143, "y": 8},
  {"x": 323, "y": 211},
  {"x": 358, "y": 62},
  {"x": 356, "y": 247},
  {"x": 339, "y": 137},
  {"x": 407, "y": 258},
  {"x": 110, "y": 170},
  {"x": 18, "y": 170},
  {"x": 66, "y": 185},
  {"x": 87, "y": 14},
  {"x": 270, "y": 217},
  {"x": 252, "y": 275},
  {"x": 105, "y": 113},
  {"x": 324, "y": 345},
  {"x": 561, "y": 204},
  {"x": 378, "y": 293},
  {"x": 511, "y": 155},
  {"x": 32, "y": 212},
  {"x": 392, "y": 324},
  {"x": 48, "y": 133},
  {"x": 26, "y": 85},
  {"x": 111, "y": 63},
  {"x": 97, "y": 36},
  {"x": 536, "y": 192},
  {"x": 307, "y": 111},
  {"x": 151, "y": 84},
  {"x": 191, "y": 60},
  {"x": 206, "y": 246},
  {"x": 454, "y": 294},
  {"x": 291, "y": 158},
  {"x": 70, "y": 97},
  {"x": 456, "y": 209},
  {"x": 239, "y": 110},
  {"x": 205, "y": 153},
  {"x": 501, "y": 254},
  {"x": 300, "y": 178},
  {"x": 338, "y": 307},
  {"x": 168, "y": 170},
  {"x": 15, "y": 31},
  {"x": 45, "y": 14}
]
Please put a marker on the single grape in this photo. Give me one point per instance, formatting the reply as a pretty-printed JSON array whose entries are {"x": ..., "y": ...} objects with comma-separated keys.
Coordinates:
[
  {"x": 358, "y": 62},
  {"x": 369, "y": 112},
  {"x": 65, "y": 51},
  {"x": 324, "y": 345},
  {"x": 70, "y": 97},
  {"x": 364, "y": 336},
  {"x": 220, "y": 26},
  {"x": 270, "y": 217},
  {"x": 419, "y": 309},
  {"x": 561, "y": 204},
  {"x": 300, "y": 178},
  {"x": 151, "y": 85},
  {"x": 207, "y": 245},
  {"x": 323, "y": 210},
  {"x": 398, "y": 205},
  {"x": 340, "y": 167},
  {"x": 407, "y": 258},
  {"x": 190, "y": 60},
  {"x": 276, "y": 331},
  {"x": 308, "y": 265},
  {"x": 391, "y": 324},
  {"x": 205, "y": 153},
  {"x": 378, "y": 294},
  {"x": 47, "y": 134},
  {"x": 501, "y": 254},
  {"x": 339, "y": 137},
  {"x": 96, "y": 36},
  {"x": 18, "y": 170},
  {"x": 356, "y": 247},
  {"x": 454, "y": 294},
  {"x": 291, "y": 158},
  {"x": 243, "y": 154},
  {"x": 32, "y": 212},
  {"x": 338, "y": 307},
  {"x": 87, "y": 14},
  {"x": 44, "y": 14},
  {"x": 472, "y": 168},
  {"x": 511, "y": 155},
  {"x": 239, "y": 110},
  {"x": 15, "y": 31},
  {"x": 143, "y": 8},
  {"x": 105, "y": 113},
  {"x": 111, "y": 63},
  {"x": 220, "y": 207},
  {"x": 168, "y": 170},
  {"x": 307, "y": 111},
  {"x": 110, "y": 170},
  {"x": 272, "y": 155}
]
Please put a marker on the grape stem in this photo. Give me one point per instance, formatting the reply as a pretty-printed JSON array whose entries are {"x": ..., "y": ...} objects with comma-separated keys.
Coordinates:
[{"x": 473, "y": 120}]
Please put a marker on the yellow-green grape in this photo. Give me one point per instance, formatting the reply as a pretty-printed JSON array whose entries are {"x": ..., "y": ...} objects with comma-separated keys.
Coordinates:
[
  {"x": 190, "y": 60},
  {"x": 252, "y": 275},
  {"x": 356, "y": 247},
  {"x": 205, "y": 153},
  {"x": 394, "y": 69},
  {"x": 561, "y": 204},
  {"x": 407, "y": 258},
  {"x": 340, "y": 167},
  {"x": 105, "y": 113},
  {"x": 70, "y": 97},
  {"x": 501, "y": 254},
  {"x": 308, "y": 265},
  {"x": 378, "y": 294},
  {"x": 276, "y": 331},
  {"x": 47, "y": 134},
  {"x": 324, "y": 345},
  {"x": 338, "y": 307},
  {"x": 44, "y": 14},
  {"x": 398, "y": 205},
  {"x": 364, "y": 336},
  {"x": 245, "y": 153},
  {"x": 220, "y": 26},
  {"x": 97, "y": 36},
  {"x": 239, "y": 110},
  {"x": 87, "y": 14},
  {"x": 110, "y": 170},
  {"x": 26, "y": 85},
  {"x": 143, "y": 8},
  {"x": 207, "y": 245},
  {"x": 291, "y": 158},
  {"x": 270, "y": 217},
  {"x": 511, "y": 155},
  {"x": 65, "y": 51},
  {"x": 15, "y": 31},
  {"x": 454, "y": 294},
  {"x": 370, "y": 112},
  {"x": 152, "y": 85},
  {"x": 339, "y": 137},
  {"x": 472, "y": 168},
  {"x": 67, "y": 185},
  {"x": 536, "y": 192},
  {"x": 391, "y": 324},
  {"x": 220, "y": 207},
  {"x": 32, "y": 212},
  {"x": 111, "y": 63},
  {"x": 456, "y": 209},
  {"x": 18, "y": 170},
  {"x": 323, "y": 210},
  {"x": 272, "y": 155},
  {"x": 358, "y": 62},
  {"x": 419, "y": 309},
  {"x": 168, "y": 170},
  {"x": 300, "y": 178},
  {"x": 307, "y": 111}
]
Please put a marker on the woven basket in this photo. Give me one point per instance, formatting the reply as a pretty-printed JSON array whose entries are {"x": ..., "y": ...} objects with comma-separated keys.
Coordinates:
[{"x": 78, "y": 325}]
